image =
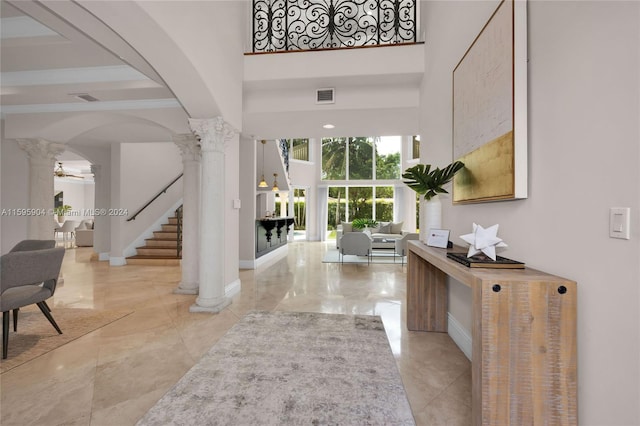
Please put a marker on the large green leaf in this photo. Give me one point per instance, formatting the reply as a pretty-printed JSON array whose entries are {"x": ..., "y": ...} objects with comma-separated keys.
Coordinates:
[{"x": 429, "y": 182}]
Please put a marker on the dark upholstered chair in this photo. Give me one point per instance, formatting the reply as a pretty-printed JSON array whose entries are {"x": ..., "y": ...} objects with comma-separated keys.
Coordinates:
[
  {"x": 28, "y": 277},
  {"x": 29, "y": 245}
]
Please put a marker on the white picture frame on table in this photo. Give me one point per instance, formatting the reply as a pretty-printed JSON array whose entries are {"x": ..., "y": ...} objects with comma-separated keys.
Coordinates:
[{"x": 438, "y": 238}]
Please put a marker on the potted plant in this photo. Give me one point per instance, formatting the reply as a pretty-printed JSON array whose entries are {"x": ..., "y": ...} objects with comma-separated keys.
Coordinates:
[
  {"x": 428, "y": 183},
  {"x": 60, "y": 211},
  {"x": 361, "y": 223}
]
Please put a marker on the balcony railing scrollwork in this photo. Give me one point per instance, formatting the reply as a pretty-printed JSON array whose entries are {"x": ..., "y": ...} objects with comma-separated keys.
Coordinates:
[{"x": 281, "y": 25}]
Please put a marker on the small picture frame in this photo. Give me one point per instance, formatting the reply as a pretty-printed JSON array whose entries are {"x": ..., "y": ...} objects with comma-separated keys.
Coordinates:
[{"x": 438, "y": 238}]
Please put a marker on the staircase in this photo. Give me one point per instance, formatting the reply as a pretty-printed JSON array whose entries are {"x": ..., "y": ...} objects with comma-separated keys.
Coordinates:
[{"x": 161, "y": 250}]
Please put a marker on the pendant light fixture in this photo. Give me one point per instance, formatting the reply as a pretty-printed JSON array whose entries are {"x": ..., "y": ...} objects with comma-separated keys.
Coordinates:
[
  {"x": 275, "y": 183},
  {"x": 263, "y": 183}
]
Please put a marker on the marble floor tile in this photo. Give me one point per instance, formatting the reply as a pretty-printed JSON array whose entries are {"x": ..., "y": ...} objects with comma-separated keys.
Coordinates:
[{"x": 113, "y": 375}]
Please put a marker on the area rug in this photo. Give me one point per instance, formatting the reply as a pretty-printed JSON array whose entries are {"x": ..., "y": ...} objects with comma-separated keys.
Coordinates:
[
  {"x": 279, "y": 368},
  {"x": 382, "y": 256},
  {"x": 36, "y": 336}
]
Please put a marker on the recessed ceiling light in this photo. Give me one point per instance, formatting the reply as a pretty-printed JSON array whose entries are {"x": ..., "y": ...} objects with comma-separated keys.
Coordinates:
[{"x": 329, "y": 126}]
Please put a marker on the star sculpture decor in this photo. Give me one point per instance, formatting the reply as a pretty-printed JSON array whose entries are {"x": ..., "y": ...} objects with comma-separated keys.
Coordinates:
[{"x": 483, "y": 240}]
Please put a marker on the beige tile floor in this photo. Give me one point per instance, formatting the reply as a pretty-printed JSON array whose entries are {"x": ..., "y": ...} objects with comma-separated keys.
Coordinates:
[{"x": 113, "y": 375}]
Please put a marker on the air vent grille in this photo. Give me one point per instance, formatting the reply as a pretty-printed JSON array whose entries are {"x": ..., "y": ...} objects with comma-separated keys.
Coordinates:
[
  {"x": 85, "y": 97},
  {"x": 325, "y": 96}
]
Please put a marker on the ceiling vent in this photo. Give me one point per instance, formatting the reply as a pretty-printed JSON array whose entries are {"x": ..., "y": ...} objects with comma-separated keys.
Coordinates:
[
  {"x": 84, "y": 96},
  {"x": 325, "y": 96}
]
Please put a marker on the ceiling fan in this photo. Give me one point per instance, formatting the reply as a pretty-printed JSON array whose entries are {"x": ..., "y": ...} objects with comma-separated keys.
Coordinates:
[{"x": 59, "y": 172}]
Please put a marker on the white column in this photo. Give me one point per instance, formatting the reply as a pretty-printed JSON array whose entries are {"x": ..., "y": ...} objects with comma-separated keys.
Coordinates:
[
  {"x": 190, "y": 151},
  {"x": 214, "y": 134},
  {"x": 42, "y": 156},
  {"x": 101, "y": 222}
]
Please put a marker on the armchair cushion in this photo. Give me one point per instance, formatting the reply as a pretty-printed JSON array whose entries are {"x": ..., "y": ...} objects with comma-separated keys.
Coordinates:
[{"x": 347, "y": 227}]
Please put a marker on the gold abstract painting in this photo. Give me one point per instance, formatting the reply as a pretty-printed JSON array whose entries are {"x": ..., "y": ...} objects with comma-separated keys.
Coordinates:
[{"x": 489, "y": 110}]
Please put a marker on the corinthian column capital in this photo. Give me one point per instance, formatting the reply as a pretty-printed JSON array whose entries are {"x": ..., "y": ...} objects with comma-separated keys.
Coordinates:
[
  {"x": 214, "y": 133},
  {"x": 39, "y": 149},
  {"x": 188, "y": 145}
]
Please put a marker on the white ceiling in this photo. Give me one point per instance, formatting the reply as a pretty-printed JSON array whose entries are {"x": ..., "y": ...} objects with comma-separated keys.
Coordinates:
[
  {"x": 46, "y": 61},
  {"x": 50, "y": 51}
]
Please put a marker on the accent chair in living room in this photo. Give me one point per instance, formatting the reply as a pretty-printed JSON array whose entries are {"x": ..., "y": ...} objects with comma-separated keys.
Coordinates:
[{"x": 355, "y": 243}]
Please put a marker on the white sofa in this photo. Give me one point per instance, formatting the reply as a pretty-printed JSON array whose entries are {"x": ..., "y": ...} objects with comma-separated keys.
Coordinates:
[
  {"x": 384, "y": 235},
  {"x": 84, "y": 233}
]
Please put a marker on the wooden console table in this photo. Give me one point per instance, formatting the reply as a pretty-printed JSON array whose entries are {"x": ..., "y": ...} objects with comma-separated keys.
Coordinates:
[{"x": 524, "y": 362}]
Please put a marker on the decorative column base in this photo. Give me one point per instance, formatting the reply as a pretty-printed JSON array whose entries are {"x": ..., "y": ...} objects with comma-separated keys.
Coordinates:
[
  {"x": 212, "y": 306},
  {"x": 187, "y": 288}
]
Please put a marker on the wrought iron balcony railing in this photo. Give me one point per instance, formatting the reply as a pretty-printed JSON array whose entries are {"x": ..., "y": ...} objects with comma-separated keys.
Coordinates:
[{"x": 281, "y": 25}]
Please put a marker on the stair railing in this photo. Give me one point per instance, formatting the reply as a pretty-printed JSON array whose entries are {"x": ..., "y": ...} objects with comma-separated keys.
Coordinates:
[
  {"x": 162, "y": 191},
  {"x": 179, "y": 230}
]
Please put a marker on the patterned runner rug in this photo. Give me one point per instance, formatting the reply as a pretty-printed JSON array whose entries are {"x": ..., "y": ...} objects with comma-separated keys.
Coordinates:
[{"x": 278, "y": 368}]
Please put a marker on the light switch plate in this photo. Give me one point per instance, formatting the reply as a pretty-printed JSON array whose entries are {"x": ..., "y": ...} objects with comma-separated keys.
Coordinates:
[
  {"x": 237, "y": 204},
  {"x": 619, "y": 222}
]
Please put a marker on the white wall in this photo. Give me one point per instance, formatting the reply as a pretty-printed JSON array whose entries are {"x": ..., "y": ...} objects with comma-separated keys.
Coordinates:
[
  {"x": 77, "y": 193},
  {"x": 100, "y": 157},
  {"x": 307, "y": 174},
  {"x": 247, "y": 190},
  {"x": 583, "y": 159},
  {"x": 15, "y": 193},
  {"x": 232, "y": 214},
  {"x": 139, "y": 172}
]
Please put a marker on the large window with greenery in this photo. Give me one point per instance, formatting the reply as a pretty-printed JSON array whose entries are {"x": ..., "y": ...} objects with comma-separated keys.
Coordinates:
[
  {"x": 346, "y": 203},
  {"x": 360, "y": 161},
  {"x": 334, "y": 157},
  {"x": 361, "y": 158}
]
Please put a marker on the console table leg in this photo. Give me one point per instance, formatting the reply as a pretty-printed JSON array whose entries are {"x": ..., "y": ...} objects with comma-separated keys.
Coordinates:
[
  {"x": 426, "y": 296},
  {"x": 524, "y": 353}
]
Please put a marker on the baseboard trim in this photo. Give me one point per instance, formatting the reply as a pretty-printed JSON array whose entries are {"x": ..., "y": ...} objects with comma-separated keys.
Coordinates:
[
  {"x": 232, "y": 288},
  {"x": 459, "y": 335},
  {"x": 277, "y": 254},
  {"x": 247, "y": 264},
  {"x": 117, "y": 261}
]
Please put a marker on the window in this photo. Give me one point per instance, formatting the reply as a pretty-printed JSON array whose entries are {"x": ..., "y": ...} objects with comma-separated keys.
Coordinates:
[
  {"x": 415, "y": 147},
  {"x": 334, "y": 157},
  {"x": 360, "y": 158},
  {"x": 346, "y": 203},
  {"x": 361, "y": 162},
  {"x": 352, "y": 158},
  {"x": 298, "y": 149},
  {"x": 336, "y": 206},
  {"x": 384, "y": 203},
  {"x": 388, "y": 157}
]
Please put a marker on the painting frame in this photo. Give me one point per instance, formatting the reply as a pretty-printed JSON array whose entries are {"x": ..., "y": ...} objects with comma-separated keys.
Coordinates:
[{"x": 489, "y": 110}]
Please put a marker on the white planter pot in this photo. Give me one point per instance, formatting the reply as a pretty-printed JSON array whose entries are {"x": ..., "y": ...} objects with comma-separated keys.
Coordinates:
[{"x": 430, "y": 217}]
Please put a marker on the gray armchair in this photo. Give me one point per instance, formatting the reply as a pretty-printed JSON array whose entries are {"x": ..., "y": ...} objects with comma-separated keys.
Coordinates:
[
  {"x": 401, "y": 244},
  {"x": 28, "y": 277},
  {"x": 356, "y": 243}
]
